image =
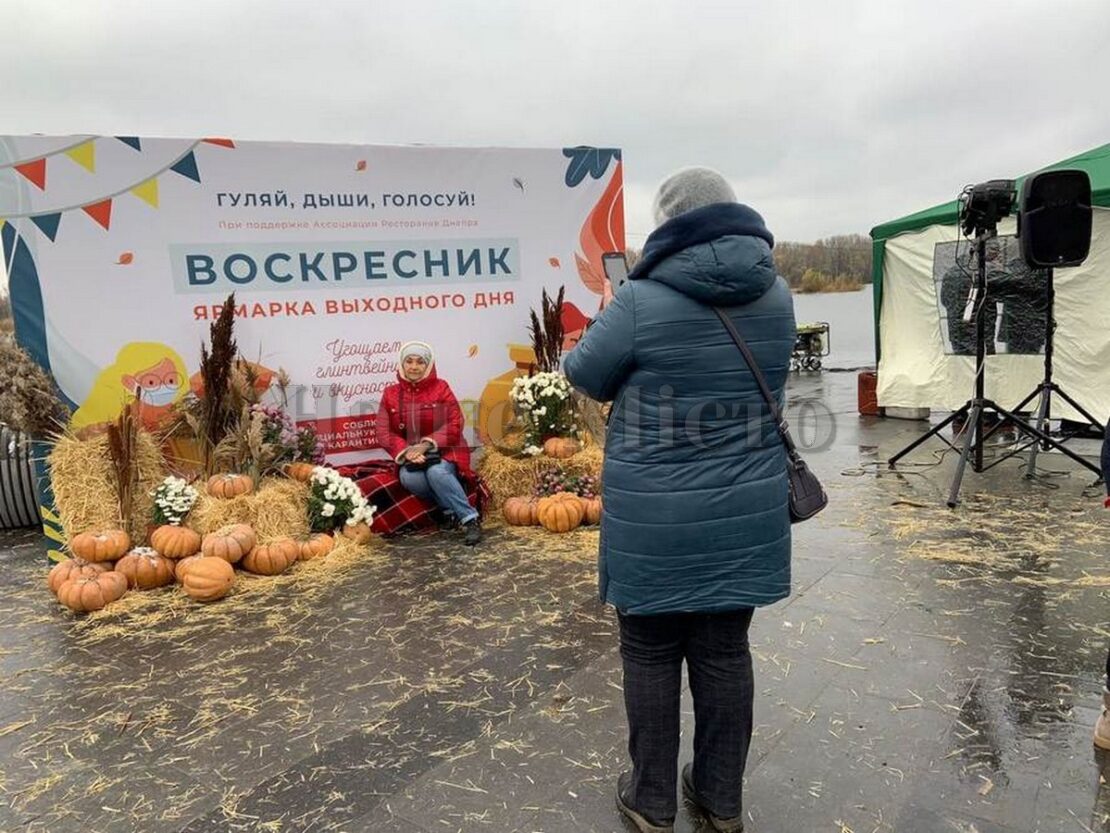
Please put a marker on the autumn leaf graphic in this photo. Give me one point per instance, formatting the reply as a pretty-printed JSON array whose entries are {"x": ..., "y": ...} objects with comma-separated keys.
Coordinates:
[
  {"x": 360, "y": 165},
  {"x": 554, "y": 261},
  {"x": 125, "y": 258},
  {"x": 473, "y": 351}
]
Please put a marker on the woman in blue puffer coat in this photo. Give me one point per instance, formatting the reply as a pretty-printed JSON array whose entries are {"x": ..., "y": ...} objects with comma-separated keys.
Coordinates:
[{"x": 696, "y": 528}]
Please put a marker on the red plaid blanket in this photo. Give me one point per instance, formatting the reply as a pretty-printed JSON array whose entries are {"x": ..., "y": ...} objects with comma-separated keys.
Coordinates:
[{"x": 398, "y": 510}]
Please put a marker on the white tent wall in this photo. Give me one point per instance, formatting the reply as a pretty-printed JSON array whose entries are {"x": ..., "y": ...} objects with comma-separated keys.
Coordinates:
[{"x": 916, "y": 372}]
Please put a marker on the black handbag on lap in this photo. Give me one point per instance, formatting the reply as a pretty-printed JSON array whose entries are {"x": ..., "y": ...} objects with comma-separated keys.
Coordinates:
[
  {"x": 430, "y": 459},
  {"x": 807, "y": 496}
]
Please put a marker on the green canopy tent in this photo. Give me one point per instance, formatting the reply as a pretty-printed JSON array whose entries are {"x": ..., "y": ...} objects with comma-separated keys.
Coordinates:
[{"x": 921, "y": 369}]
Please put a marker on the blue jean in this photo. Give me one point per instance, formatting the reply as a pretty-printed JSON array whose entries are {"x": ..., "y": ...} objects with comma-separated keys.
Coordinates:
[
  {"x": 440, "y": 482},
  {"x": 719, "y": 663}
]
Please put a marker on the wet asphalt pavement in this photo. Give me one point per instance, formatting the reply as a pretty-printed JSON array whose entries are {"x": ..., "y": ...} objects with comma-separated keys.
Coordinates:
[{"x": 933, "y": 671}]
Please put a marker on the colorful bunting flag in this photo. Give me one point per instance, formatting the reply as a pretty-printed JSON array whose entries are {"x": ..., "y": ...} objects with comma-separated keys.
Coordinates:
[
  {"x": 132, "y": 141},
  {"x": 224, "y": 143},
  {"x": 100, "y": 211},
  {"x": 35, "y": 172},
  {"x": 147, "y": 192},
  {"x": 48, "y": 224},
  {"x": 187, "y": 166},
  {"x": 84, "y": 155}
]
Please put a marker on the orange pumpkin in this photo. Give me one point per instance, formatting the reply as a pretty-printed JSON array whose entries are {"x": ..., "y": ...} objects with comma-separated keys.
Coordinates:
[
  {"x": 300, "y": 471},
  {"x": 230, "y": 485},
  {"x": 145, "y": 569},
  {"x": 561, "y": 447},
  {"x": 563, "y": 496},
  {"x": 87, "y": 593},
  {"x": 520, "y": 511},
  {"x": 272, "y": 558},
  {"x": 359, "y": 533},
  {"x": 102, "y": 545},
  {"x": 561, "y": 512},
  {"x": 208, "y": 579},
  {"x": 63, "y": 571},
  {"x": 591, "y": 510},
  {"x": 180, "y": 568},
  {"x": 317, "y": 546},
  {"x": 175, "y": 541},
  {"x": 230, "y": 543}
]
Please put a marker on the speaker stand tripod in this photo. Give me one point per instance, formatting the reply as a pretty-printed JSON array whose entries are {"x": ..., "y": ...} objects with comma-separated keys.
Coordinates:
[
  {"x": 1047, "y": 388},
  {"x": 975, "y": 409}
]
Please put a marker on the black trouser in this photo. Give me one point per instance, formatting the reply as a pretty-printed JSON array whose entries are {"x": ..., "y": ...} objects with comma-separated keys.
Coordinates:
[{"x": 719, "y": 664}]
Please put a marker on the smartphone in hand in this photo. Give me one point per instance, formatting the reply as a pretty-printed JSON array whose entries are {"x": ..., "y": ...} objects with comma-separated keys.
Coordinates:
[{"x": 616, "y": 268}]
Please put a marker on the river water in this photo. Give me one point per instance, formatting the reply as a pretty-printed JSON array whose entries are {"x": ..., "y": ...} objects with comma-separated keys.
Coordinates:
[{"x": 851, "y": 322}]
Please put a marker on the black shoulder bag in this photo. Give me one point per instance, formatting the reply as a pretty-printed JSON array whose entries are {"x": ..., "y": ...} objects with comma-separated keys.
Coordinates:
[
  {"x": 807, "y": 496},
  {"x": 431, "y": 457}
]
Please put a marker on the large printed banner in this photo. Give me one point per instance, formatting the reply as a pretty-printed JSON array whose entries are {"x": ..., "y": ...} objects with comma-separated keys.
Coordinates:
[{"x": 121, "y": 251}]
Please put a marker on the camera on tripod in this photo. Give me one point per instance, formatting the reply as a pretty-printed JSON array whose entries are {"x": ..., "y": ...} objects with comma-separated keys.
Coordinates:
[
  {"x": 983, "y": 205},
  {"x": 1054, "y": 227}
]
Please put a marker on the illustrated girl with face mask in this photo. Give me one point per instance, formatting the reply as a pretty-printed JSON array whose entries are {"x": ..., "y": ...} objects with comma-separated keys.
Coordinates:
[
  {"x": 157, "y": 386},
  {"x": 152, "y": 371}
]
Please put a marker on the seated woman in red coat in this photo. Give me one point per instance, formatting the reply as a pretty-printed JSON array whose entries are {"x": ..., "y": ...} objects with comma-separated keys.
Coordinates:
[{"x": 420, "y": 425}]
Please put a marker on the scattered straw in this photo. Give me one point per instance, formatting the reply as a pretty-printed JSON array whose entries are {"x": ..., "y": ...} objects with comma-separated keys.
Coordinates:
[{"x": 537, "y": 544}]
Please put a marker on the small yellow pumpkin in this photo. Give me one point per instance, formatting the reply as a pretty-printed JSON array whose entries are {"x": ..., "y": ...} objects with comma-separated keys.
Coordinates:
[
  {"x": 272, "y": 558},
  {"x": 102, "y": 545},
  {"x": 561, "y": 447},
  {"x": 561, "y": 512},
  {"x": 145, "y": 569},
  {"x": 359, "y": 533},
  {"x": 208, "y": 579},
  {"x": 230, "y": 485},
  {"x": 63, "y": 571},
  {"x": 175, "y": 542},
  {"x": 316, "y": 546},
  {"x": 300, "y": 471},
  {"x": 87, "y": 593},
  {"x": 230, "y": 543}
]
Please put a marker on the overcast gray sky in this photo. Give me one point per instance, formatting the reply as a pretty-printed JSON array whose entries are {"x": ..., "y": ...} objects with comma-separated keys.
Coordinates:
[{"x": 828, "y": 117}]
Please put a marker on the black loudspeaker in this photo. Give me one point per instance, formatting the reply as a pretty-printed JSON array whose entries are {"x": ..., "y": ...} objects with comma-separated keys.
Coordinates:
[{"x": 1054, "y": 223}]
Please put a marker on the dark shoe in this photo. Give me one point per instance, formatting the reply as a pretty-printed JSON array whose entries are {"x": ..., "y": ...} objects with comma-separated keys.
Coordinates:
[
  {"x": 446, "y": 521},
  {"x": 642, "y": 822},
  {"x": 473, "y": 533},
  {"x": 732, "y": 825}
]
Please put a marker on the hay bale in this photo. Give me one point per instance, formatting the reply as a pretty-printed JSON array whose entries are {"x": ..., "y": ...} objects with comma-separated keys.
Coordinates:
[
  {"x": 508, "y": 476},
  {"x": 84, "y": 487},
  {"x": 277, "y": 509}
]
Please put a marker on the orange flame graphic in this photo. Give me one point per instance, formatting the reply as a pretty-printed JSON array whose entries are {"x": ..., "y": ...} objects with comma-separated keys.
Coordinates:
[{"x": 602, "y": 232}]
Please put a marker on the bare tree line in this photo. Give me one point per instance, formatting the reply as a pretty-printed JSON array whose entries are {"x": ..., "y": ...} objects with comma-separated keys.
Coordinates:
[{"x": 841, "y": 262}]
